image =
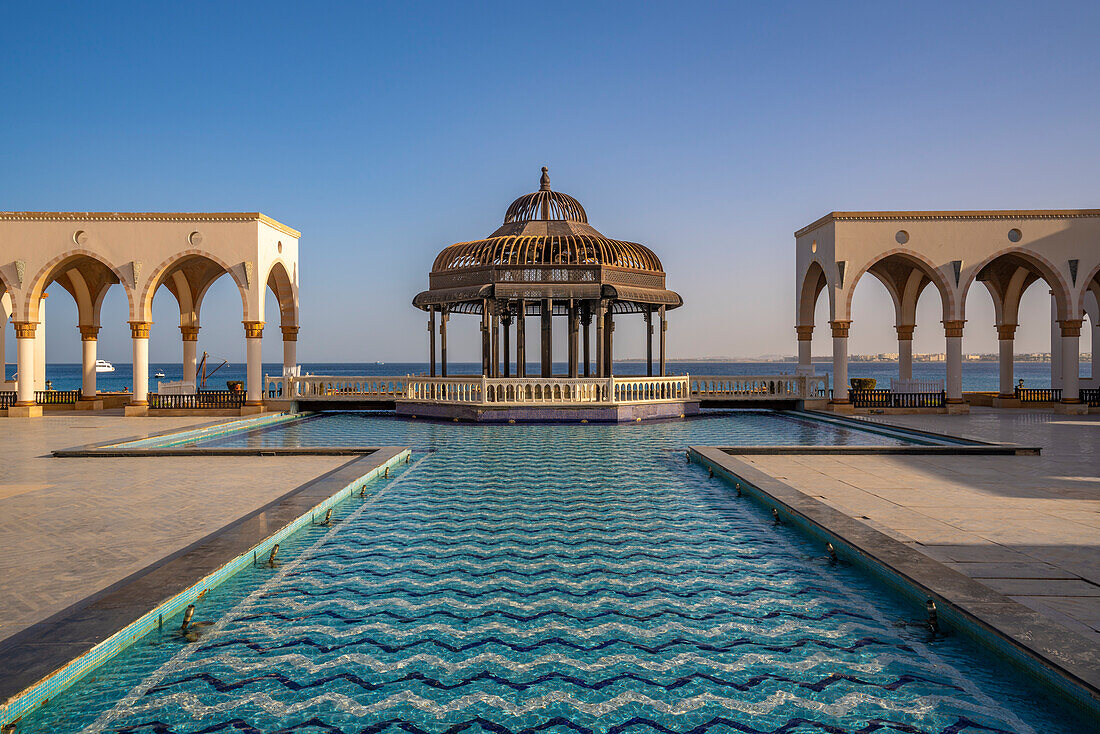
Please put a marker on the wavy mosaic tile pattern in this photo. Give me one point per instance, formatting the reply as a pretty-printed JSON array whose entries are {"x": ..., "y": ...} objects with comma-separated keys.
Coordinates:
[{"x": 529, "y": 579}]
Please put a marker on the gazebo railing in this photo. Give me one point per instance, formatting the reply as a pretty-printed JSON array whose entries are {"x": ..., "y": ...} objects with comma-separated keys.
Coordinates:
[
  {"x": 314, "y": 387},
  {"x": 546, "y": 390},
  {"x": 760, "y": 387}
]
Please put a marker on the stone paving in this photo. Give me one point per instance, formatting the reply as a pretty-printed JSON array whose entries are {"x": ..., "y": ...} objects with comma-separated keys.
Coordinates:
[
  {"x": 1026, "y": 526},
  {"x": 70, "y": 527}
]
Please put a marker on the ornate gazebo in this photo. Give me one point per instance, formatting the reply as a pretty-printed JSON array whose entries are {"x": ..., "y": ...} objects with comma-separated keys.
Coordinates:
[{"x": 546, "y": 260}]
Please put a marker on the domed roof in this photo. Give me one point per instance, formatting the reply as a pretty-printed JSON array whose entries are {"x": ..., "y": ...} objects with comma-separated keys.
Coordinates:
[{"x": 546, "y": 228}]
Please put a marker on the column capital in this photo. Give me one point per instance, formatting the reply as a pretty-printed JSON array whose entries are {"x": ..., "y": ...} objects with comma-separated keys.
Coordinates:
[
  {"x": 253, "y": 329},
  {"x": 953, "y": 327},
  {"x": 1071, "y": 327},
  {"x": 140, "y": 329},
  {"x": 905, "y": 332},
  {"x": 24, "y": 329},
  {"x": 89, "y": 333},
  {"x": 840, "y": 328},
  {"x": 290, "y": 333},
  {"x": 190, "y": 333},
  {"x": 805, "y": 332},
  {"x": 1006, "y": 332}
]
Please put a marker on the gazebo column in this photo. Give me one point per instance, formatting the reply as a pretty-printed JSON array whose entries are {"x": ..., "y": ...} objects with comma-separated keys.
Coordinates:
[
  {"x": 1006, "y": 335},
  {"x": 494, "y": 343},
  {"x": 805, "y": 339},
  {"x": 24, "y": 385},
  {"x": 840, "y": 361},
  {"x": 521, "y": 339},
  {"x": 506, "y": 320},
  {"x": 649, "y": 341},
  {"x": 189, "y": 336},
  {"x": 89, "y": 336},
  {"x": 139, "y": 337},
  {"x": 664, "y": 328},
  {"x": 547, "y": 337},
  {"x": 608, "y": 334},
  {"x": 600, "y": 344},
  {"x": 253, "y": 345},
  {"x": 905, "y": 350},
  {"x": 485, "y": 338},
  {"x": 1071, "y": 360},
  {"x": 431, "y": 341},
  {"x": 572, "y": 338},
  {"x": 953, "y": 331},
  {"x": 586, "y": 320},
  {"x": 290, "y": 347},
  {"x": 444, "y": 316}
]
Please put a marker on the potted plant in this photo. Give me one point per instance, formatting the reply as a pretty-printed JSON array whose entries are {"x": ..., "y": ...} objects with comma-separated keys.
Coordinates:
[
  {"x": 234, "y": 385},
  {"x": 862, "y": 383}
]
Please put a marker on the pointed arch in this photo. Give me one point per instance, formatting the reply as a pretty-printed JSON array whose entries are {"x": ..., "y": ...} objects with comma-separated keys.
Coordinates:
[
  {"x": 813, "y": 282},
  {"x": 285, "y": 288},
  {"x": 200, "y": 269},
  {"x": 56, "y": 267},
  {"x": 1014, "y": 284},
  {"x": 899, "y": 264}
]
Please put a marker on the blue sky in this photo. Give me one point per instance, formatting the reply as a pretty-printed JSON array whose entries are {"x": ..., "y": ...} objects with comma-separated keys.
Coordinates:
[{"x": 708, "y": 131}]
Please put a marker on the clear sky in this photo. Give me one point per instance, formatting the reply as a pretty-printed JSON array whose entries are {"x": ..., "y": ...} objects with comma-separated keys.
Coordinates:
[{"x": 710, "y": 132}]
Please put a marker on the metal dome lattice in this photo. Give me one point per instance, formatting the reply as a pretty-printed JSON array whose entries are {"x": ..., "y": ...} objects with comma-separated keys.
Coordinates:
[{"x": 545, "y": 204}]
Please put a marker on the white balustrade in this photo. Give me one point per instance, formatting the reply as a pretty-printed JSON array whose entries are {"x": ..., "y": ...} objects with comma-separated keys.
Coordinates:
[
  {"x": 547, "y": 390},
  {"x": 909, "y": 386}
]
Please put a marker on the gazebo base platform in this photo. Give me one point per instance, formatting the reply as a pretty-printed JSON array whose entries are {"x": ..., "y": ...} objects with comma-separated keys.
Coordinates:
[{"x": 577, "y": 413}]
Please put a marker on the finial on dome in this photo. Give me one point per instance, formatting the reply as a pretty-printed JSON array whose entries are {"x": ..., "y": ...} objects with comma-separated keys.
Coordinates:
[{"x": 544, "y": 182}]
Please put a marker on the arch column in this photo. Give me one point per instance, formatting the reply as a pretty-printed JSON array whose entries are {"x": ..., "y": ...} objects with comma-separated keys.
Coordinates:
[
  {"x": 805, "y": 354},
  {"x": 840, "y": 361},
  {"x": 253, "y": 344},
  {"x": 290, "y": 346},
  {"x": 25, "y": 405},
  {"x": 139, "y": 338},
  {"x": 572, "y": 338},
  {"x": 905, "y": 350},
  {"x": 547, "y": 337},
  {"x": 521, "y": 339},
  {"x": 190, "y": 338},
  {"x": 1071, "y": 360},
  {"x": 586, "y": 339},
  {"x": 600, "y": 324},
  {"x": 431, "y": 341},
  {"x": 506, "y": 322},
  {"x": 648, "y": 315},
  {"x": 1006, "y": 353},
  {"x": 953, "y": 332},
  {"x": 89, "y": 336}
]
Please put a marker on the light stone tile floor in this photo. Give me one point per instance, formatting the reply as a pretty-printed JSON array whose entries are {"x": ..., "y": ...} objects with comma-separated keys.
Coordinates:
[
  {"x": 1027, "y": 526},
  {"x": 70, "y": 527}
]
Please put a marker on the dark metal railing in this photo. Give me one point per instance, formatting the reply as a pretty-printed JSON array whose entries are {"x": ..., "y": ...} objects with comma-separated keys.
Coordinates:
[
  {"x": 1091, "y": 396},
  {"x": 7, "y": 399},
  {"x": 202, "y": 400},
  {"x": 1038, "y": 394},
  {"x": 56, "y": 397},
  {"x": 888, "y": 399}
]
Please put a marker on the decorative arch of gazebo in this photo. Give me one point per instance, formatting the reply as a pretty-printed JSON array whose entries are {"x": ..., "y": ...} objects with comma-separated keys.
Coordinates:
[
  {"x": 1007, "y": 251},
  {"x": 86, "y": 253},
  {"x": 546, "y": 260}
]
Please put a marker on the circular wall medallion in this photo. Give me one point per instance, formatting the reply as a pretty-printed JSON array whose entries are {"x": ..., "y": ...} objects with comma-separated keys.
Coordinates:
[
  {"x": 902, "y": 236},
  {"x": 80, "y": 237},
  {"x": 195, "y": 238},
  {"x": 1014, "y": 235},
  {"x": 813, "y": 246}
]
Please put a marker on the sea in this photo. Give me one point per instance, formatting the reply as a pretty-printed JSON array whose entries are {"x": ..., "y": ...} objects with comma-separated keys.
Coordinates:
[{"x": 976, "y": 375}]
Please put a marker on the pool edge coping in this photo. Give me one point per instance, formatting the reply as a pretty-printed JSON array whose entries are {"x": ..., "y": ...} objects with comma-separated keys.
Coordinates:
[
  {"x": 70, "y": 668},
  {"x": 1005, "y": 623}
]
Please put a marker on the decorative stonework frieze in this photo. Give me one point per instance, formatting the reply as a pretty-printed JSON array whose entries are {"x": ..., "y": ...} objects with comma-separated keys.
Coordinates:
[
  {"x": 135, "y": 273},
  {"x": 20, "y": 271},
  {"x": 248, "y": 268}
]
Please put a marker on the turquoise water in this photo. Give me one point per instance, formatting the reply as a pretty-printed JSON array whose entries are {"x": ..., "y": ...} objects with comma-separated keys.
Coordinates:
[{"x": 554, "y": 578}]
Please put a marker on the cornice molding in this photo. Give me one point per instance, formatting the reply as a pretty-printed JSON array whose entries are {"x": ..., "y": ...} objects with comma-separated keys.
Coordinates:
[
  {"x": 930, "y": 216},
  {"x": 148, "y": 217}
]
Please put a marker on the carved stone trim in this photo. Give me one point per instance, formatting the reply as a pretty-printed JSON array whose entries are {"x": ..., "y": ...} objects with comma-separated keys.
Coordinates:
[
  {"x": 290, "y": 333},
  {"x": 24, "y": 329},
  {"x": 89, "y": 333},
  {"x": 190, "y": 333},
  {"x": 20, "y": 271},
  {"x": 140, "y": 329},
  {"x": 805, "y": 332},
  {"x": 1071, "y": 327},
  {"x": 905, "y": 332},
  {"x": 253, "y": 329},
  {"x": 953, "y": 328},
  {"x": 1006, "y": 332},
  {"x": 840, "y": 329}
]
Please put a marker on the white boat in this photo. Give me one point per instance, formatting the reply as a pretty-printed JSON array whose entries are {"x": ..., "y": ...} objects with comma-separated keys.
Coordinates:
[
  {"x": 102, "y": 365},
  {"x": 159, "y": 375}
]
